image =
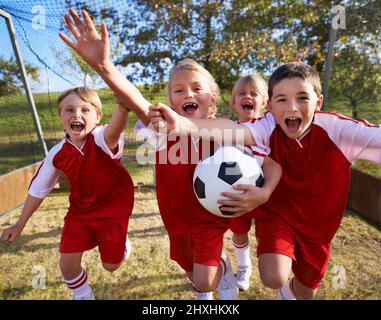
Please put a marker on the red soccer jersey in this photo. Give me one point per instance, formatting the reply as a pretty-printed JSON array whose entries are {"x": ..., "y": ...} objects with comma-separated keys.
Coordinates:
[
  {"x": 99, "y": 185},
  {"x": 312, "y": 193},
  {"x": 179, "y": 208}
]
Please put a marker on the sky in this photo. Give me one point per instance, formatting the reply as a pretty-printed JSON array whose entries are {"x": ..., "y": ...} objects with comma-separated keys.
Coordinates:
[{"x": 37, "y": 24}]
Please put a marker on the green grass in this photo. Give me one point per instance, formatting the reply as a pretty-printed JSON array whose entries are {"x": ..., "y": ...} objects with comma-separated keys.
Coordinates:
[{"x": 149, "y": 273}]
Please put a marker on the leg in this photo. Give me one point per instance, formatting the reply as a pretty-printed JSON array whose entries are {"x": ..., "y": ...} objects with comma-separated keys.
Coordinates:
[
  {"x": 274, "y": 269},
  {"x": 113, "y": 251},
  {"x": 240, "y": 238},
  {"x": 301, "y": 291},
  {"x": 74, "y": 276},
  {"x": 127, "y": 252},
  {"x": 242, "y": 250},
  {"x": 70, "y": 264},
  {"x": 206, "y": 278}
]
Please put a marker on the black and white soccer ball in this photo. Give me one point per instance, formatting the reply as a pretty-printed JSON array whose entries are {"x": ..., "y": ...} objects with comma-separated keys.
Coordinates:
[{"x": 219, "y": 173}]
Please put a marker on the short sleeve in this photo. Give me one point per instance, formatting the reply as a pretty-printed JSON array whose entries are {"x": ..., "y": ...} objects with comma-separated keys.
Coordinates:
[
  {"x": 100, "y": 141},
  {"x": 355, "y": 139},
  {"x": 262, "y": 130},
  {"x": 46, "y": 176}
]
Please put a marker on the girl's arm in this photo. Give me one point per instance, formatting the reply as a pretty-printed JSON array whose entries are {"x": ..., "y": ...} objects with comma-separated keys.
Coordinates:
[
  {"x": 117, "y": 124},
  {"x": 165, "y": 120},
  {"x": 94, "y": 49},
  {"x": 30, "y": 206}
]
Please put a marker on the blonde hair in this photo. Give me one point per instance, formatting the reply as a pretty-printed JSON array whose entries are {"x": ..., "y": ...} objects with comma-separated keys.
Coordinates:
[
  {"x": 256, "y": 82},
  {"x": 86, "y": 94},
  {"x": 192, "y": 65}
]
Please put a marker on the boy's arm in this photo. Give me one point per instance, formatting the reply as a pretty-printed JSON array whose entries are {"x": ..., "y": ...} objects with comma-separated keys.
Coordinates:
[
  {"x": 355, "y": 139},
  {"x": 94, "y": 49},
  {"x": 30, "y": 206},
  {"x": 253, "y": 196},
  {"x": 164, "y": 119}
]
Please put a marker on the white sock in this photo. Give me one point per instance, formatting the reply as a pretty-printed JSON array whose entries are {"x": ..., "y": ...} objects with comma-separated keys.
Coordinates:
[
  {"x": 203, "y": 295},
  {"x": 79, "y": 286},
  {"x": 243, "y": 253},
  {"x": 285, "y": 293}
]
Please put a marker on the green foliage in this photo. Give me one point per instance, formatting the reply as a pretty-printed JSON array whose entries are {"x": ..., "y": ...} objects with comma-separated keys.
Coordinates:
[
  {"x": 357, "y": 77},
  {"x": 10, "y": 76}
]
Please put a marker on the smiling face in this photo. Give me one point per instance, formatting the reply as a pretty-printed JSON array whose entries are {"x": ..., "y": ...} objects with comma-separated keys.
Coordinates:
[
  {"x": 248, "y": 103},
  {"x": 293, "y": 105},
  {"x": 190, "y": 94},
  {"x": 78, "y": 118}
]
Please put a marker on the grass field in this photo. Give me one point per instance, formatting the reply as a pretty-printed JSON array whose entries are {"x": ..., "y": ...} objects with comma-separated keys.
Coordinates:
[{"x": 149, "y": 274}]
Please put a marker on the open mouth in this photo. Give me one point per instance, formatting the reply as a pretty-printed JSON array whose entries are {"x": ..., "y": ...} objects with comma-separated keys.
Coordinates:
[
  {"x": 77, "y": 126},
  {"x": 190, "y": 107},
  {"x": 293, "y": 123},
  {"x": 248, "y": 106}
]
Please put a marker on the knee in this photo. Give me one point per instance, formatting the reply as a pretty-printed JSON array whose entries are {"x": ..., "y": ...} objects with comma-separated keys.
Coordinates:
[
  {"x": 273, "y": 280},
  {"x": 110, "y": 267},
  {"x": 307, "y": 294},
  {"x": 203, "y": 285},
  {"x": 69, "y": 270}
]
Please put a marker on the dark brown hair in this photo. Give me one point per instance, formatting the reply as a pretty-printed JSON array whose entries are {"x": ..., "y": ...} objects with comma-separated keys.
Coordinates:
[{"x": 295, "y": 70}]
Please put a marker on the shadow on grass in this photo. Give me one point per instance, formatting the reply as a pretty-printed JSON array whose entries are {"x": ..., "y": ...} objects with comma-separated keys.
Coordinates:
[
  {"x": 21, "y": 242},
  {"x": 123, "y": 290},
  {"x": 148, "y": 232}
]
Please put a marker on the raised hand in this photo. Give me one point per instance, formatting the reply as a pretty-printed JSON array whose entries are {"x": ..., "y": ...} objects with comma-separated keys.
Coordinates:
[{"x": 93, "y": 47}]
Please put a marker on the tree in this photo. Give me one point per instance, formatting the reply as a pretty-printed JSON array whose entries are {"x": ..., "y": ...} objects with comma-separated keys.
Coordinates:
[
  {"x": 10, "y": 76},
  {"x": 357, "y": 77},
  {"x": 75, "y": 62},
  {"x": 226, "y": 37}
]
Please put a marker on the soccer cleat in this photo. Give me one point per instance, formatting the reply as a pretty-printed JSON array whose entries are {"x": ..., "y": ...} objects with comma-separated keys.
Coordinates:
[
  {"x": 227, "y": 288},
  {"x": 127, "y": 250},
  {"x": 204, "y": 296},
  {"x": 243, "y": 277}
]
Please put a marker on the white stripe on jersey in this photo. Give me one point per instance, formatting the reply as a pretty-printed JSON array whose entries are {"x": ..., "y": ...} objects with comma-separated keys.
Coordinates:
[
  {"x": 100, "y": 141},
  {"x": 46, "y": 175},
  {"x": 356, "y": 140}
]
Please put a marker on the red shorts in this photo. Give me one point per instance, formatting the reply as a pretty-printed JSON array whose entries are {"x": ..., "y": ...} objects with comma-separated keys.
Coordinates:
[
  {"x": 202, "y": 248},
  {"x": 310, "y": 257},
  {"x": 241, "y": 224},
  {"x": 109, "y": 234}
]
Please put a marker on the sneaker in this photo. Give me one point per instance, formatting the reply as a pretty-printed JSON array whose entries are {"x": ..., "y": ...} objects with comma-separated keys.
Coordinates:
[
  {"x": 90, "y": 297},
  {"x": 204, "y": 296},
  {"x": 243, "y": 277},
  {"x": 127, "y": 250},
  {"x": 227, "y": 288}
]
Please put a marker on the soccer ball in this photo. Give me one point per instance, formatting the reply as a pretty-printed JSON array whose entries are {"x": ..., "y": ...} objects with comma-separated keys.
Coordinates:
[{"x": 219, "y": 173}]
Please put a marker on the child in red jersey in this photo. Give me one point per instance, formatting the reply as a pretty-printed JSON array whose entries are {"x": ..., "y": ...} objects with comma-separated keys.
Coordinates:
[
  {"x": 195, "y": 235},
  {"x": 249, "y": 99},
  {"x": 315, "y": 150},
  {"x": 101, "y": 190}
]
